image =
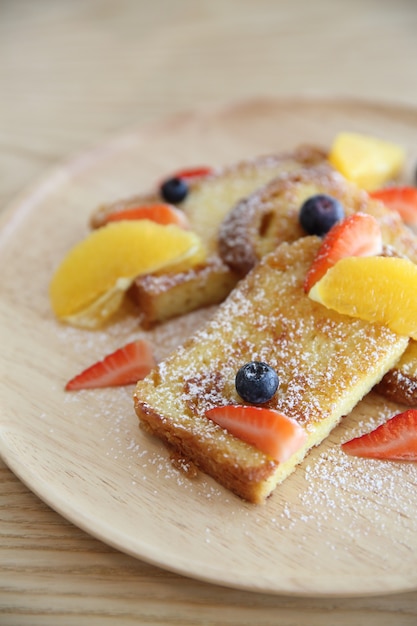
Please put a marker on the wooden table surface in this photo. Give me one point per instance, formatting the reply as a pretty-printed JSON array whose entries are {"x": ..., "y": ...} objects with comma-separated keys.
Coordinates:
[{"x": 73, "y": 74}]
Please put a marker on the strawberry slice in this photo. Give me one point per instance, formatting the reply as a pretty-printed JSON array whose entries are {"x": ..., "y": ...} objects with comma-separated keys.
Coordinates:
[
  {"x": 395, "y": 440},
  {"x": 161, "y": 213},
  {"x": 356, "y": 235},
  {"x": 268, "y": 430},
  {"x": 125, "y": 366},
  {"x": 192, "y": 172},
  {"x": 400, "y": 199}
]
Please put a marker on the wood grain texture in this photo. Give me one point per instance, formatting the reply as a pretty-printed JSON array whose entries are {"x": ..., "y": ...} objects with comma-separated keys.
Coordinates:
[
  {"x": 52, "y": 573},
  {"x": 73, "y": 74}
]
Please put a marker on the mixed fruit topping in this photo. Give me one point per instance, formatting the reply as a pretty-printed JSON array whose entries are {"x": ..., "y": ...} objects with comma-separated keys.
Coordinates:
[
  {"x": 349, "y": 274},
  {"x": 90, "y": 283},
  {"x": 395, "y": 440},
  {"x": 356, "y": 235},
  {"x": 175, "y": 189}
]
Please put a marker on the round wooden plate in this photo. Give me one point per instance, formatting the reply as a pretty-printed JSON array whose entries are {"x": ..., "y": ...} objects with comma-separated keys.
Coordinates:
[{"x": 337, "y": 526}]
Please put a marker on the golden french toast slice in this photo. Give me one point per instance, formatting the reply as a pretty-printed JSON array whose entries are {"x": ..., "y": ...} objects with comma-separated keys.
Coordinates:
[
  {"x": 267, "y": 318},
  {"x": 270, "y": 216},
  {"x": 209, "y": 199}
]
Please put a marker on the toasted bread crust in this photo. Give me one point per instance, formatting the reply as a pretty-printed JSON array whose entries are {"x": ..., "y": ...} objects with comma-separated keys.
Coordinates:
[{"x": 241, "y": 480}]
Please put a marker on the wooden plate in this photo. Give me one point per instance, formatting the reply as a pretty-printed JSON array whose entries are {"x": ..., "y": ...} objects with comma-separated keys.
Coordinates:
[{"x": 337, "y": 526}]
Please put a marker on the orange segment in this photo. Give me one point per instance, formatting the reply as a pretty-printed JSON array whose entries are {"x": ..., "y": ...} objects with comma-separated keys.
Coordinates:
[
  {"x": 101, "y": 309},
  {"x": 367, "y": 161},
  {"x": 375, "y": 289},
  {"x": 109, "y": 258}
]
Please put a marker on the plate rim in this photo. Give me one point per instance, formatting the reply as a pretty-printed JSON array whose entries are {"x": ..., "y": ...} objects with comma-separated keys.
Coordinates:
[
  {"x": 74, "y": 159},
  {"x": 67, "y": 170}
]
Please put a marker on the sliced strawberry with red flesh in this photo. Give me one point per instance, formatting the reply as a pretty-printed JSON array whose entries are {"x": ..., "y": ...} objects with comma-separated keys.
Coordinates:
[
  {"x": 395, "y": 440},
  {"x": 356, "y": 235},
  {"x": 125, "y": 366},
  {"x": 161, "y": 213},
  {"x": 271, "y": 432},
  {"x": 400, "y": 199},
  {"x": 192, "y": 172}
]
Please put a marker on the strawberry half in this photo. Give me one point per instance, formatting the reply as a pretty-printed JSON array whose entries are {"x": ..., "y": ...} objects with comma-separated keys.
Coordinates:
[
  {"x": 395, "y": 440},
  {"x": 125, "y": 366},
  {"x": 356, "y": 235},
  {"x": 271, "y": 432},
  {"x": 400, "y": 199},
  {"x": 161, "y": 213},
  {"x": 192, "y": 172}
]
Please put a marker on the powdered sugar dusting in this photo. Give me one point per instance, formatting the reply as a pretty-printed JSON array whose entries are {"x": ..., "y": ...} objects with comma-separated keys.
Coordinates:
[
  {"x": 312, "y": 351},
  {"x": 344, "y": 500}
]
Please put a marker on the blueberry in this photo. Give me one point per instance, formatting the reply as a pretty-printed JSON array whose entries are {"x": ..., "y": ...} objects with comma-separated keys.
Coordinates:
[
  {"x": 174, "y": 190},
  {"x": 256, "y": 382},
  {"x": 319, "y": 213}
]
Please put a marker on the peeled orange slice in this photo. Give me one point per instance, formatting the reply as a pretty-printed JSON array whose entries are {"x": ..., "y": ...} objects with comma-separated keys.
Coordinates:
[
  {"x": 95, "y": 272},
  {"x": 367, "y": 161},
  {"x": 101, "y": 309},
  {"x": 376, "y": 289}
]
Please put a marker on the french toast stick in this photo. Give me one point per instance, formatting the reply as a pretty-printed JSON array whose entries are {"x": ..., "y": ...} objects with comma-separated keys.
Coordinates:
[
  {"x": 326, "y": 363},
  {"x": 269, "y": 216},
  {"x": 165, "y": 295}
]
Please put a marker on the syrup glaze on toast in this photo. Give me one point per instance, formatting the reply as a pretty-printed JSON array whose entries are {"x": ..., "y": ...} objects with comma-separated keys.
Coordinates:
[{"x": 326, "y": 363}]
